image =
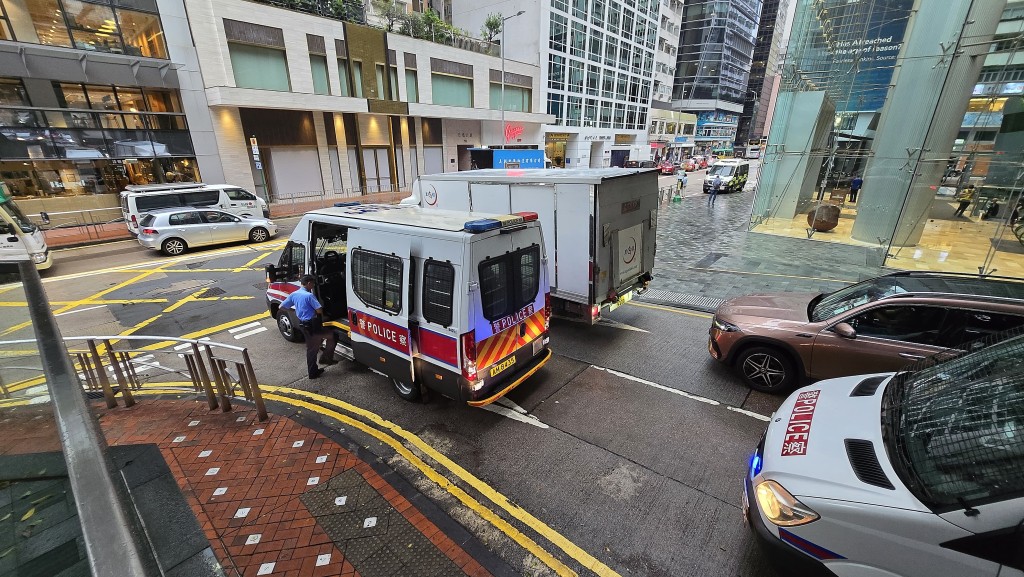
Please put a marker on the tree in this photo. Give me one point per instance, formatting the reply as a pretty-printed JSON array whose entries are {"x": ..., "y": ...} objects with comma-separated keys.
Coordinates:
[
  {"x": 492, "y": 27},
  {"x": 389, "y": 12},
  {"x": 349, "y": 10}
]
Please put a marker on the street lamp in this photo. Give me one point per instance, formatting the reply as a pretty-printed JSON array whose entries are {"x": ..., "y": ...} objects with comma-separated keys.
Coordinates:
[{"x": 504, "y": 139}]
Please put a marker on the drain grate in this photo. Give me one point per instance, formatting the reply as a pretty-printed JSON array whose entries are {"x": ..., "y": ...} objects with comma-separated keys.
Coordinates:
[
  {"x": 697, "y": 302},
  {"x": 214, "y": 292}
]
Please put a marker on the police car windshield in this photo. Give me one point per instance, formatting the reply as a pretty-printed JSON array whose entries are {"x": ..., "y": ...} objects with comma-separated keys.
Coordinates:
[
  {"x": 18, "y": 217},
  {"x": 721, "y": 170},
  {"x": 955, "y": 430}
]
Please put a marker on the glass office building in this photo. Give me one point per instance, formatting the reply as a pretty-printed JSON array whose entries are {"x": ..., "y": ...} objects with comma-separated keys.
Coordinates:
[{"x": 869, "y": 95}]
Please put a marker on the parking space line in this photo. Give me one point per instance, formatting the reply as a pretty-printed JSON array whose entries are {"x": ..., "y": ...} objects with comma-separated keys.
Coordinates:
[
  {"x": 78, "y": 311},
  {"x": 250, "y": 333},
  {"x": 253, "y": 261},
  {"x": 244, "y": 327}
]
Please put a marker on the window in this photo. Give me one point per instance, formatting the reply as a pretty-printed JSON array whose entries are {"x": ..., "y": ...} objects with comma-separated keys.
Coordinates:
[
  {"x": 162, "y": 100},
  {"x": 611, "y": 51},
  {"x": 344, "y": 79},
  {"x": 438, "y": 292},
  {"x": 984, "y": 135},
  {"x": 183, "y": 218},
  {"x": 982, "y": 324},
  {"x": 147, "y": 203},
  {"x": 516, "y": 98},
  {"x": 593, "y": 80},
  {"x": 377, "y": 280},
  {"x": 201, "y": 198},
  {"x": 382, "y": 93},
  {"x": 555, "y": 104},
  {"x": 573, "y": 110},
  {"x": 597, "y": 13},
  {"x": 556, "y": 72},
  {"x": 216, "y": 217},
  {"x": 579, "y": 40},
  {"x": 559, "y": 32},
  {"x": 239, "y": 194},
  {"x": 579, "y": 9},
  {"x": 318, "y": 65},
  {"x": 596, "y": 46},
  {"x": 575, "y": 76},
  {"x": 93, "y": 27},
  {"x": 614, "y": 14},
  {"x": 393, "y": 82},
  {"x": 509, "y": 283},
  {"x": 12, "y": 93},
  {"x": 47, "y": 21},
  {"x": 148, "y": 220},
  {"x": 914, "y": 324},
  {"x": 142, "y": 34},
  {"x": 292, "y": 263},
  {"x": 412, "y": 89},
  {"x": 259, "y": 67},
  {"x": 452, "y": 90},
  {"x": 357, "y": 79},
  {"x": 562, "y": 5}
]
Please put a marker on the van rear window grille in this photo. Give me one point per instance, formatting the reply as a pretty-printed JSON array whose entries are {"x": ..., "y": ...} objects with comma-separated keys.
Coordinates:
[
  {"x": 438, "y": 292},
  {"x": 377, "y": 280}
]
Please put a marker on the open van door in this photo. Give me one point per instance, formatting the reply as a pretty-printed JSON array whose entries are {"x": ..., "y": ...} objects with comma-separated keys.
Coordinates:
[{"x": 379, "y": 301}]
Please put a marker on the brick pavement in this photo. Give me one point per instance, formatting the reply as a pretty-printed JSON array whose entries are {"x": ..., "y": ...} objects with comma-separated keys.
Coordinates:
[{"x": 273, "y": 498}]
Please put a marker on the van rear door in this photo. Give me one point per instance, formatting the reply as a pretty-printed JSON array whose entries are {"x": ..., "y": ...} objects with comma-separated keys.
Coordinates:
[{"x": 379, "y": 295}]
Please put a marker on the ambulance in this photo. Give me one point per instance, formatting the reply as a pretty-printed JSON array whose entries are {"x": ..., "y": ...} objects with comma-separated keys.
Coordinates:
[{"x": 455, "y": 302}]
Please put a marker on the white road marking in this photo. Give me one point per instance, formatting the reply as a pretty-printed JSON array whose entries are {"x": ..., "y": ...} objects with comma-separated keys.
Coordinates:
[
  {"x": 244, "y": 327},
  {"x": 80, "y": 310},
  {"x": 515, "y": 416},
  {"x": 507, "y": 402},
  {"x": 250, "y": 333},
  {"x": 691, "y": 396},
  {"x": 618, "y": 325},
  {"x": 183, "y": 346}
]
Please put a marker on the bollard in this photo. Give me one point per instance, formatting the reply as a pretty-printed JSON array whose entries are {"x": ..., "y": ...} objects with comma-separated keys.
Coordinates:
[
  {"x": 197, "y": 358},
  {"x": 108, "y": 393},
  {"x": 122, "y": 383}
]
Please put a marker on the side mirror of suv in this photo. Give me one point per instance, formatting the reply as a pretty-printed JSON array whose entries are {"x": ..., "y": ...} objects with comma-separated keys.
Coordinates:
[{"x": 845, "y": 330}]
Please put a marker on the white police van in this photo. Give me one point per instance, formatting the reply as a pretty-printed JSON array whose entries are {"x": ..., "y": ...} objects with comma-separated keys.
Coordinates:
[
  {"x": 137, "y": 201},
  {"x": 914, "y": 474},
  {"x": 457, "y": 302}
]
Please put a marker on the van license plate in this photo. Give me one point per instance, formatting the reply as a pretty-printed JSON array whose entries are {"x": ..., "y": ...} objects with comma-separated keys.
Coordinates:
[
  {"x": 621, "y": 301},
  {"x": 496, "y": 369}
]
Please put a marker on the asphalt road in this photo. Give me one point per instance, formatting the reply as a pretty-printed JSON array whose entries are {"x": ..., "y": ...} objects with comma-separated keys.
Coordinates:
[{"x": 630, "y": 444}]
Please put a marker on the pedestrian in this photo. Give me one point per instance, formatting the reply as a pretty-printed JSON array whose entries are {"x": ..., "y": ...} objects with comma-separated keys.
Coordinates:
[
  {"x": 680, "y": 182},
  {"x": 716, "y": 186},
  {"x": 966, "y": 197},
  {"x": 855, "y": 185},
  {"x": 309, "y": 312}
]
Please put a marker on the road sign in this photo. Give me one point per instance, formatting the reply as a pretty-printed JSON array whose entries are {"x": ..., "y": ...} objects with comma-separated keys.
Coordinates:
[
  {"x": 255, "y": 150},
  {"x": 259, "y": 165}
]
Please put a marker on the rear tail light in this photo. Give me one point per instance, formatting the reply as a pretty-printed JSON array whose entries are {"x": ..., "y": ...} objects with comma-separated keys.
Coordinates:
[
  {"x": 547, "y": 311},
  {"x": 149, "y": 231},
  {"x": 595, "y": 312},
  {"x": 468, "y": 345},
  {"x": 135, "y": 221}
]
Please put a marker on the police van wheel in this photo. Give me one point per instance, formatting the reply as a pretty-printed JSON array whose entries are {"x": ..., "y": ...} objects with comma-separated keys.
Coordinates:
[
  {"x": 289, "y": 327},
  {"x": 408, "y": 391}
]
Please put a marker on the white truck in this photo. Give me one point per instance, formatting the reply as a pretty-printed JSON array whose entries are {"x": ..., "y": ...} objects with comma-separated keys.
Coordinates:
[{"x": 600, "y": 225}]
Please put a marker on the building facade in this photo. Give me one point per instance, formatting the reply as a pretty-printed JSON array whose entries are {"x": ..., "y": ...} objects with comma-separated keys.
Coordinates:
[
  {"x": 948, "y": 120},
  {"x": 597, "y": 58},
  {"x": 669, "y": 25},
  {"x": 671, "y": 134},
  {"x": 95, "y": 96},
  {"x": 716, "y": 47},
  {"x": 770, "y": 30}
]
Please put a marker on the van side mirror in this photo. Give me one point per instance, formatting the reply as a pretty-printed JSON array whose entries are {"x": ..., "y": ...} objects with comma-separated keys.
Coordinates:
[
  {"x": 11, "y": 230},
  {"x": 845, "y": 330},
  {"x": 45, "y": 217},
  {"x": 272, "y": 273}
]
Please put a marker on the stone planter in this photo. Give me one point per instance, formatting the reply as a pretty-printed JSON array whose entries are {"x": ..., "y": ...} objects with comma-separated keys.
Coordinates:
[{"x": 823, "y": 217}]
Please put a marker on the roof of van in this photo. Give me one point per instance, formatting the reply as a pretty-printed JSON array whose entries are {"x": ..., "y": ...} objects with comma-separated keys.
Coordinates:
[
  {"x": 407, "y": 215},
  {"x": 174, "y": 187},
  {"x": 732, "y": 161},
  {"x": 552, "y": 175}
]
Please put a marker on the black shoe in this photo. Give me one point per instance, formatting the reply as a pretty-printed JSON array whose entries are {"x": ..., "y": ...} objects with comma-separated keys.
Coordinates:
[
  {"x": 328, "y": 362},
  {"x": 317, "y": 374}
]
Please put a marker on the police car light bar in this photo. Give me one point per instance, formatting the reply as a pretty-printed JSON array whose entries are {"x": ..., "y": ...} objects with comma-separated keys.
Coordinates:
[
  {"x": 482, "y": 225},
  {"x": 527, "y": 216}
]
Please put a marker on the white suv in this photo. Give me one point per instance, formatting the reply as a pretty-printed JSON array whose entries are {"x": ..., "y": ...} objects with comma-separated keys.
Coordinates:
[{"x": 914, "y": 474}]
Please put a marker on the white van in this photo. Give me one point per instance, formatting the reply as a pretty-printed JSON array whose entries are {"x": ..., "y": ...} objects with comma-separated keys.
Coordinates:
[
  {"x": 19, "y": 236},
  {"x": 734, "y": 175},
  {"x": 136, "y": 201},
  {"x": 914, "y": 474},
  {"x": 457, "y": 302}
]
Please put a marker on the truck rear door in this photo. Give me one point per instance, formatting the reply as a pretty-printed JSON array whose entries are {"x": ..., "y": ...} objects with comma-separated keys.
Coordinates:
[
  {"x": 541, "y": 200},
  {"x": 379, "y": 293}
]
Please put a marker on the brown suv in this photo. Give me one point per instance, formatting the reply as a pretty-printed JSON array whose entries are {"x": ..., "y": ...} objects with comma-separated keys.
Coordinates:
[{"x": 882, "y": 324}]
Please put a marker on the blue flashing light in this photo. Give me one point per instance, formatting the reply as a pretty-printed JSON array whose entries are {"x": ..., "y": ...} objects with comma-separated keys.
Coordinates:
[
  {"x": 344, "y": 204},
  {"x": 755, "y": 464},
  {"x": 482, "y": 225}
]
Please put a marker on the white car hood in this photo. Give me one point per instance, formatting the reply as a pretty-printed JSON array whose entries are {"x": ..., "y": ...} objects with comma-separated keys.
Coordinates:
[{"x": 821, "y": 467}]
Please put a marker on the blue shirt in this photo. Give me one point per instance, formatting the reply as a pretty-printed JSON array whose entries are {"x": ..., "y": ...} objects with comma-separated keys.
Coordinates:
[{"x": 304, "y": 303}]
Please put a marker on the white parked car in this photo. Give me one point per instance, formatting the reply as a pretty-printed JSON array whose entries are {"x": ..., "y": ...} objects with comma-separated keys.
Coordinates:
[
  {"x": 175, "y": 230},
  {"x": 913, "y": 474}
]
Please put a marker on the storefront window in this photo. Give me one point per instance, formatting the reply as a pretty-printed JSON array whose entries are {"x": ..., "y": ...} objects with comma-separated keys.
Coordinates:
[
  {"x": 131, "y": 99},
  {"x": 93, "y": 27},
  {"x": 72, "y": 96},
  {"x": 162, "y": 101},
  {"x": 12, "y": 93},
  {"x": 38, "y": 22},
  {"x": 101, "y": 97},
  {"x": 142, "y": 34}
]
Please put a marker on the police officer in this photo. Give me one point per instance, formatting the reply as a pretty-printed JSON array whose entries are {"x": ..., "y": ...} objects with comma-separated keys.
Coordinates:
[{"x": 309, "y": 311}]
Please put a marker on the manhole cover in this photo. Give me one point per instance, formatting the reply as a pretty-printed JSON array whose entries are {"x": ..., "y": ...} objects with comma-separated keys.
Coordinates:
[{"x": 214, "y": 292}]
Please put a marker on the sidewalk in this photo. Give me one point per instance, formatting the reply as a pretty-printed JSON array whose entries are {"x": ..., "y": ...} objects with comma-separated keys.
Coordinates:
[
  {"x": 277, "y": 498},
  {"x": 91, "y": 234}
]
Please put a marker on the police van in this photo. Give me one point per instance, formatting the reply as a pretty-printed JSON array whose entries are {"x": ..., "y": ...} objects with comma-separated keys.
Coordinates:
[
  {"x": 912, "y": 474},
  {"x": 457, "y": 302}
]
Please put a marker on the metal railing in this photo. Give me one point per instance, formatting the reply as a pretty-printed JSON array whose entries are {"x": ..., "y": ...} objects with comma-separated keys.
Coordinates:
[
  {"x": 218, "y": 371},
  {"x": 383, "y": 194}
]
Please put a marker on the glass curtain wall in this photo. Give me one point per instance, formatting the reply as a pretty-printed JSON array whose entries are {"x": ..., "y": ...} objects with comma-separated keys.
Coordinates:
[{"x": 921, "y": 169}]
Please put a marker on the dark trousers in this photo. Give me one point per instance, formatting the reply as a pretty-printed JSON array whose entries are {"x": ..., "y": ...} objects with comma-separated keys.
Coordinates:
[
  {"x": 853, "y": 194},
  {"x": 313, "y": 340},
  {"x": 712, "y": 196},
  {"x": 963, "y": 206}
]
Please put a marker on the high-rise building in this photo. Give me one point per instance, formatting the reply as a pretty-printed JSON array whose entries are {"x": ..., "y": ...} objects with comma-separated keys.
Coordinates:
[
  {"x": 770, "y": 31},
  {"x": 597, "y": 57},
  {"x": 669, "y": 23},
  {"x": 716, "y": 47}
]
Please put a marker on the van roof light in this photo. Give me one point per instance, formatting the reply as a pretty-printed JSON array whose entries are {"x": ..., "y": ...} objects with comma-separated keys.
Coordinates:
[
  {"x": 482, "y": 225},
  {"x": 527, "y": 216},
  {"x": 344, "y": 204}
]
